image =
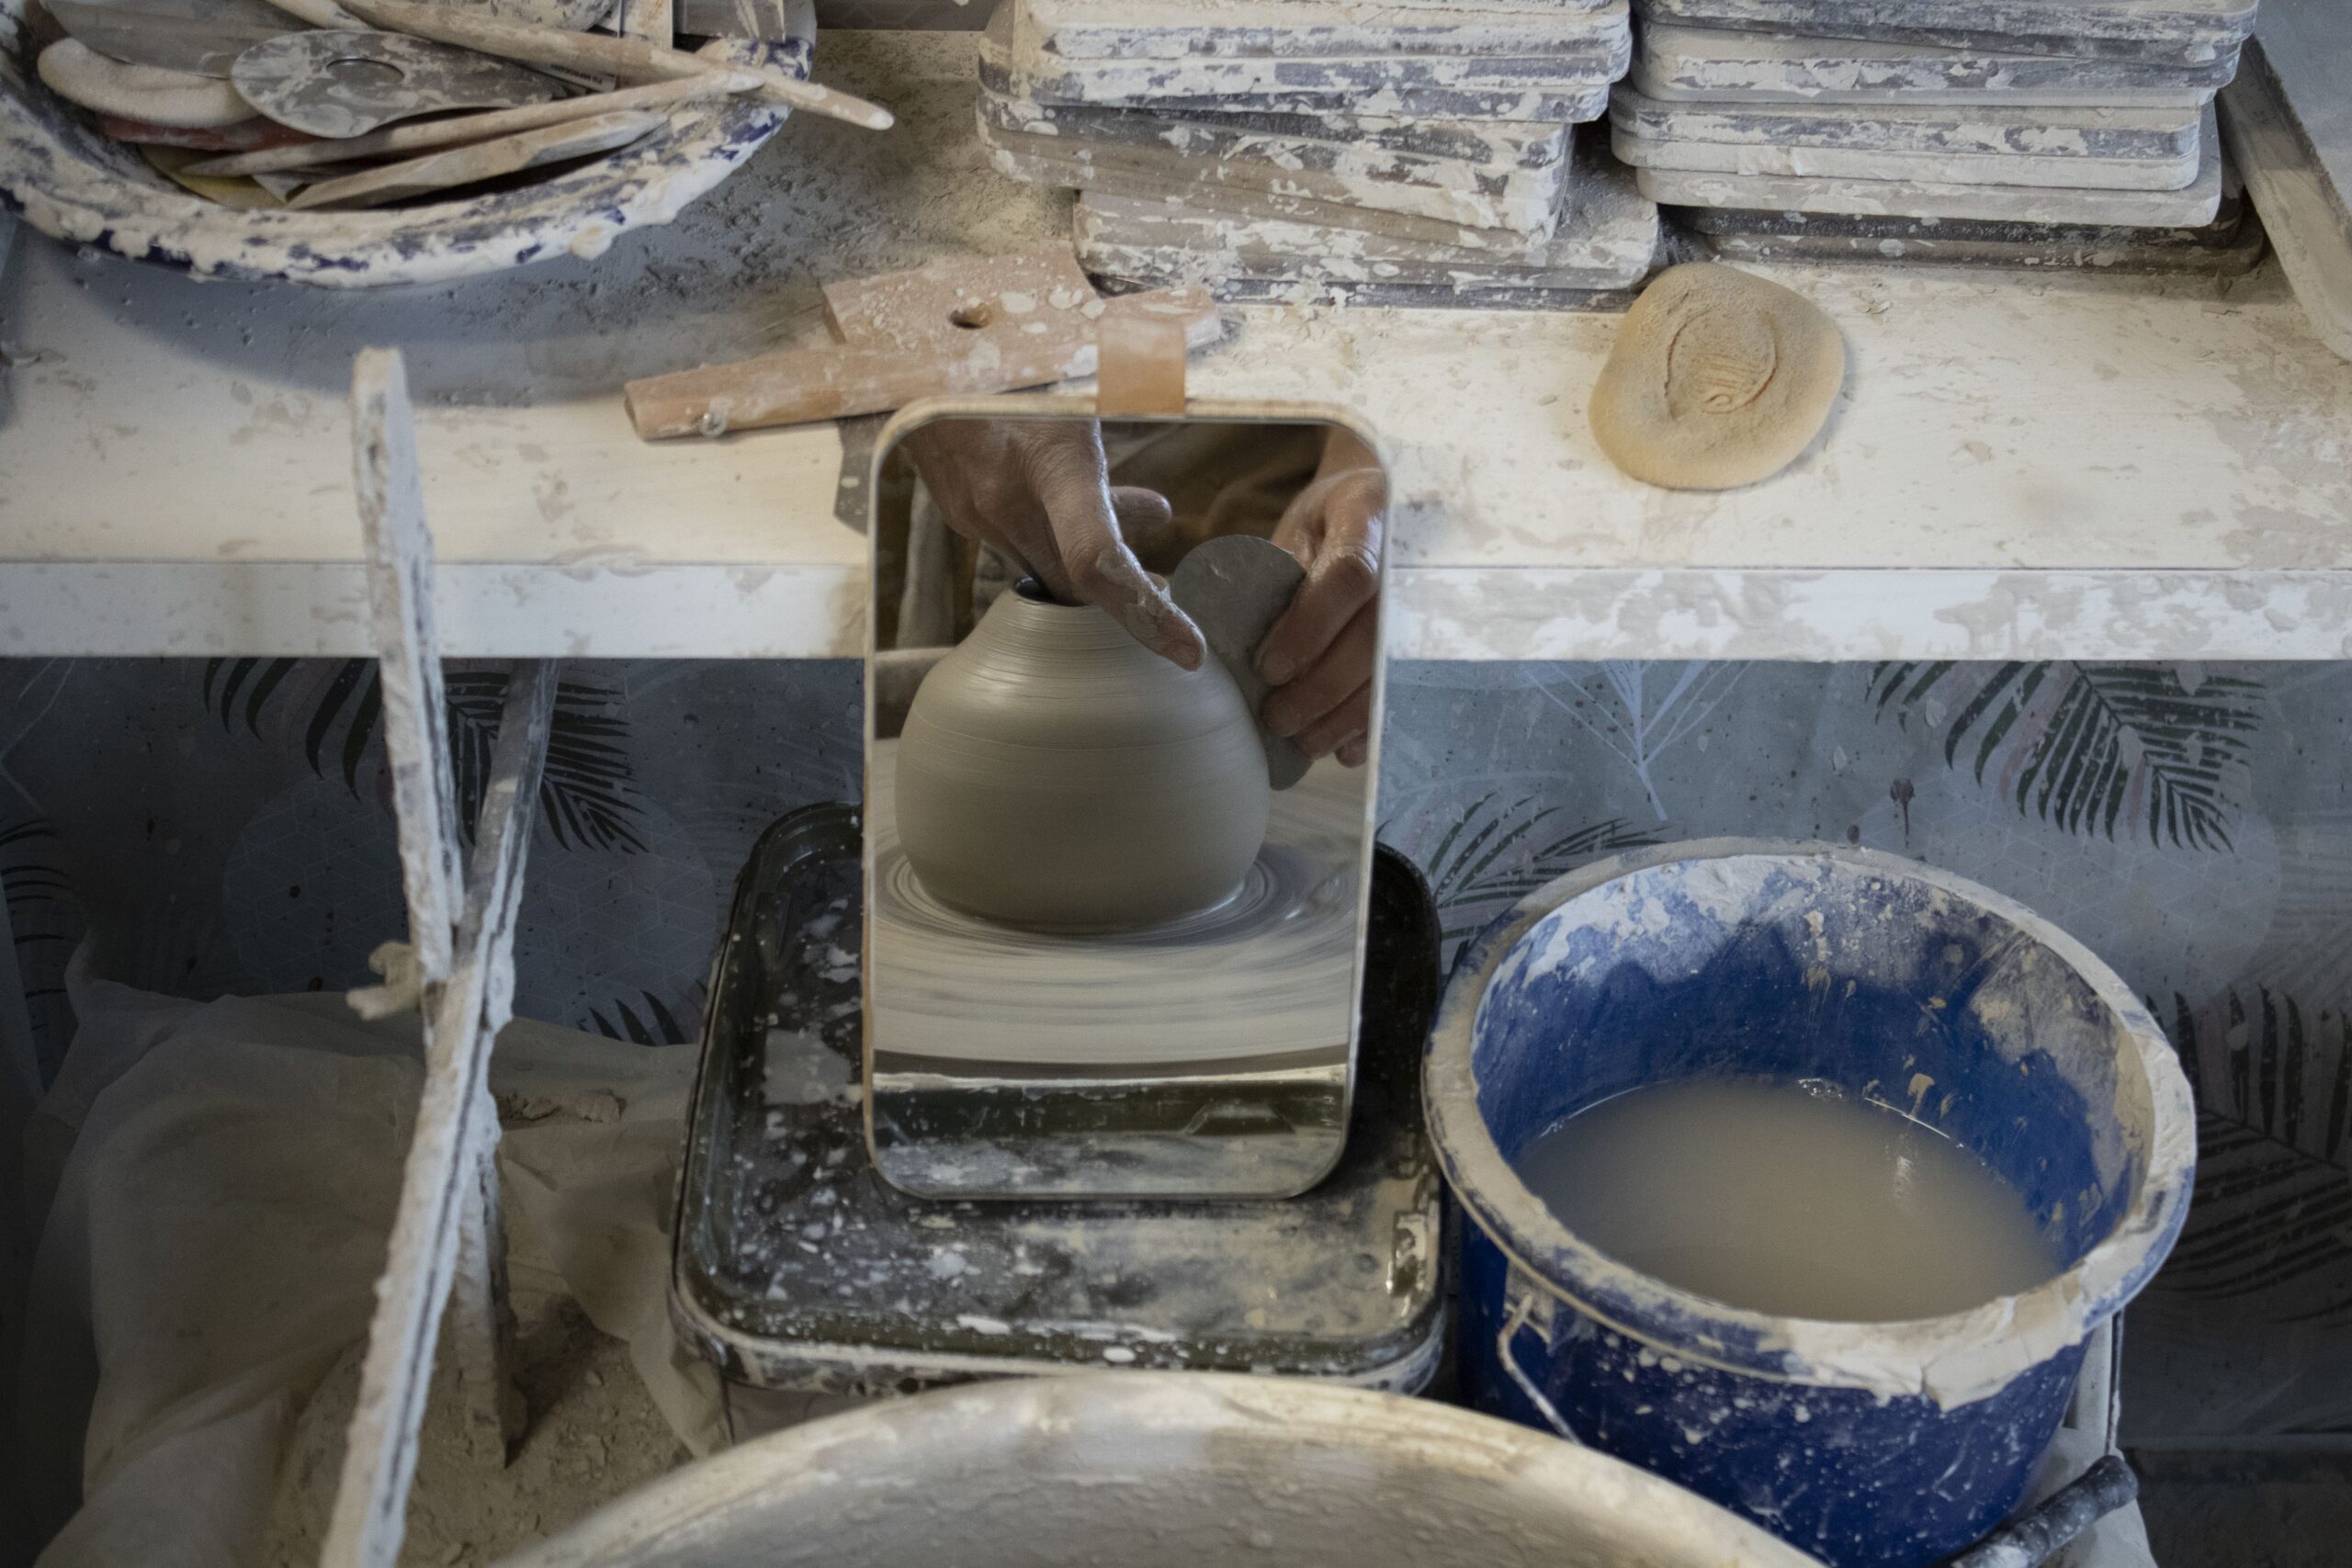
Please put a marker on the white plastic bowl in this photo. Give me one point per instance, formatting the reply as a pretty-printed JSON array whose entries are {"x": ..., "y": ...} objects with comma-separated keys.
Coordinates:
[{"x": 70, "y": 182}]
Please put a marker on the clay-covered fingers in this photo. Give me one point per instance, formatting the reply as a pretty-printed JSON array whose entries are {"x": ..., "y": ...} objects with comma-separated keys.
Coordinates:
[
  {"x": 1339, "y": 673},
  {"x": 1335, "y": 528},
  {"x": 1141, "y": 513},
  {"x": 1320, "y": 656},
  {"x": 1063, "y": 462},
  {"x": 1345, "y": 727},
  {"x": 1040, "y": 491}
]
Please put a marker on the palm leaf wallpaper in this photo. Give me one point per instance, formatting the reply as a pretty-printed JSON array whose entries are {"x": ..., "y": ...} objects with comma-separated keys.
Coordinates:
[
  {"x": 1499, "y": 851},
  {"x": 43, "y": 925},
  {"x": 585, "y": 792},
  {"x": 2157, "y": 750},
  {"x": 224, "y": 827},
  {"x": 2273, "y": 1214}
]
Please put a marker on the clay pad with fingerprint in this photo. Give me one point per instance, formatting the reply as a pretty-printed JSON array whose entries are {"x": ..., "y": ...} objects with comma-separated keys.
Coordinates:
[
  {"x": 1716, "y": 379},
  {"x": 1235, "y": 588}
]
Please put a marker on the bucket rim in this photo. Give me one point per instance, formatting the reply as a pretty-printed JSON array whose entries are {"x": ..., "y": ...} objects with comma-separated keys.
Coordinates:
[
  {"x": 933, "y": 1437},
  {"x": 1952, "y": 1360}
]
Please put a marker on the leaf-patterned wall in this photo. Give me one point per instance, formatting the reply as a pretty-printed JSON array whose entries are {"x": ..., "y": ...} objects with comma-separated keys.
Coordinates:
[{"x": 223, "y": 826}]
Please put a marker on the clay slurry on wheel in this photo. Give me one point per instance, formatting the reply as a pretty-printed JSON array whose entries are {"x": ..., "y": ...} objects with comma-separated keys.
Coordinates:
[{"x": 1716, "y": 379}]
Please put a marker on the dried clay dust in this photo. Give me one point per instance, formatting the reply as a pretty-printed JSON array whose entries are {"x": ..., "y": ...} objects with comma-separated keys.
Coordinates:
[{"x": 1774, "y": 1198}]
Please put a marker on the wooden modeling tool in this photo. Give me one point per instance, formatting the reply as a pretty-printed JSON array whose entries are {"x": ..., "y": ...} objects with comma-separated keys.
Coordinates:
[
  {"x": 628, "y": 58},
  {"x": 481, "y": 161},
  {"x": 282, "y": 187},
  {"x": 347, "y": 84},
  {"x": 319, "y": 13},
  {"x": 459, "y": 129},
  {"x": 201, "y": 37},
  {"x": 79, "y": 74},
  {"x": 250, "y": 134},
  {"x": 173, "y": 164},
  {"x": 990, "y": 325}
]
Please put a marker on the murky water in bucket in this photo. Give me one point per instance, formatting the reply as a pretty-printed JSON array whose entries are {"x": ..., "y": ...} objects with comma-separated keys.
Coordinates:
[{"x": 1788, "y": 1199}]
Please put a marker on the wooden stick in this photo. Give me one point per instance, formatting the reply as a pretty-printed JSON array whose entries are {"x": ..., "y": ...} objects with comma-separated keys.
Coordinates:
[
  {"x": 480, "y": 1328},
  {"x": 477, "y": 127},
  {"x": 441, "y": 1229},
  {"x": 452, "y": 167},
  {"x": 477, "y": 1330},
  {"x": 321, "y": 14},
  {"x": 630, "y": 59},
  {"x": 442, "y": 1253},
  {"x": 797, "y": 385},
  {"x": 408, "y": 658}
]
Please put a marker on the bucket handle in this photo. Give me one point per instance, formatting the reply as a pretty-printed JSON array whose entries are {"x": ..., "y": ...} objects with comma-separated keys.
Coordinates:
[{"x": 1522, "y": 1307}]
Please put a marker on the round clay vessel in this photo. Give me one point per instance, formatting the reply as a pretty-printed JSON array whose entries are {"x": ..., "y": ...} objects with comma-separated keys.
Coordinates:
[{"x": 1055, "y": 773}]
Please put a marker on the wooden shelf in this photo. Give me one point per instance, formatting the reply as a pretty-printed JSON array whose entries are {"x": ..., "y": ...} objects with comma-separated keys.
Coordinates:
[{"x": 2021, "y": 467}]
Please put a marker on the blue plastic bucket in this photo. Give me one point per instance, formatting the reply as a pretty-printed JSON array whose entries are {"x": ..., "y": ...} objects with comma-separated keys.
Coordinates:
[{"x": 1889, "y": 1444}]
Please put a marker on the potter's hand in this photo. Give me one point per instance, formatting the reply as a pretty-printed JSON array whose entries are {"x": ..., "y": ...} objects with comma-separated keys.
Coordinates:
[
  {"x": 1318, "y": 658},
  {"x": 1040, "y": 491}
]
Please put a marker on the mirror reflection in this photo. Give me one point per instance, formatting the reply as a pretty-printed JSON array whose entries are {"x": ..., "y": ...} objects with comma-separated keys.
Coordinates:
[{"x": 1124, "y": 692}]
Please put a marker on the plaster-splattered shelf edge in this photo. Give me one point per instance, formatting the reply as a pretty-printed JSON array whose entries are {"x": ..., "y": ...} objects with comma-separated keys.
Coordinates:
[
  {"x": 142, "y": 609},
  {"x": 2171, "y": 486}
]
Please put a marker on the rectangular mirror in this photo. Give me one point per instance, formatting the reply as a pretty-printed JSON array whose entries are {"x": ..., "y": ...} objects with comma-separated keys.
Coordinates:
[{"x": 1114, "y": 917}]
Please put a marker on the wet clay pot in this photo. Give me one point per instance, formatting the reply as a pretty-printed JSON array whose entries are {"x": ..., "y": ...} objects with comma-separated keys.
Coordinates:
[{"x": 1055, "y": 773}]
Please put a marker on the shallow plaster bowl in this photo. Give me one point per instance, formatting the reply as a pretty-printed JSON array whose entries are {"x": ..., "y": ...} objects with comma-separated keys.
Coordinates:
[
  {"x": 1160, "y": 1469},
  {"x": 69, "y": 181}
]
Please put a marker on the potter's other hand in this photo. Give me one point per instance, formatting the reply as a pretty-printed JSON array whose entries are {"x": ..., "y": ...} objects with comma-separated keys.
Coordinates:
[
  {"x": 1040, "y": 491},
  {"x": 1319, "y": 657}
]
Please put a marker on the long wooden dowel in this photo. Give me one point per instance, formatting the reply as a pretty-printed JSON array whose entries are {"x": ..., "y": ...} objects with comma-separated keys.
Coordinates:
[
  {"x": 630, "y": 59},
  {"x": 477, "y": 127},
  {"x": 443, "y": 1182},
  {"x": 796, "y": 386},
  {"x": 320, "y": 13},
  {"x": 800, "y": 385}
]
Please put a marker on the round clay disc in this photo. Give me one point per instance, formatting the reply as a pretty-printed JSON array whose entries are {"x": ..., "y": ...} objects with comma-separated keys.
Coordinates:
[
  {"x": 177, "y": 98},
  {"x": 1716, "y": 379}
]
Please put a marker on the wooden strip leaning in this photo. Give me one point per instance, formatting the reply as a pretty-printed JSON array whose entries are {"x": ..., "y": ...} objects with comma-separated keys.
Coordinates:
[
  {"x": 399, "y": 546},
  {"x": 447, "y": 1182}
]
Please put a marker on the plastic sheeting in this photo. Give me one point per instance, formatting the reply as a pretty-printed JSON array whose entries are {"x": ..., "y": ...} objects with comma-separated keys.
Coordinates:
[{"x": 219, "y": 1179}]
